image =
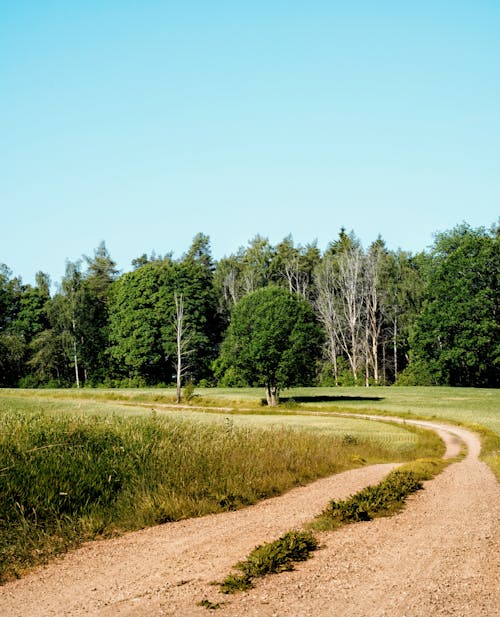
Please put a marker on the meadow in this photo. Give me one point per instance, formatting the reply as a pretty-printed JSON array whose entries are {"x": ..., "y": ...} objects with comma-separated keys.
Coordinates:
[
  {"x": 76, "y": 465},
  {"x": 479, "y": 406}
]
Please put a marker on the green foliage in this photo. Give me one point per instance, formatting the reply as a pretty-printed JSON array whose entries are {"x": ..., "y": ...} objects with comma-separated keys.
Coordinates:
[
  {"x": 383, "y": 499},
  {"x": 236, "y": 582},
  {"x": 12, "y": 351},
  {"x": 456, "y": 336},
  {"x": 377, "y": 308},
  {"x": 271, "y": 558},
  {"x": 188, "y": 392},
  {"x": 142, "y": 316},
  {"x": 137, "y": 314},
  {"x": 272, "y": 340}
]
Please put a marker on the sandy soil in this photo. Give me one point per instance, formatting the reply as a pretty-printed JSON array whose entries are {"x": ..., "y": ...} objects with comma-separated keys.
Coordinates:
[{"x": 440, "y": 556}]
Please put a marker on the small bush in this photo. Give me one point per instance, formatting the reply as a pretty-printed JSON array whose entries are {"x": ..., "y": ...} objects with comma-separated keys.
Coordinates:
[
  {"x": 234, "y": 582},
  {"x": 380, "y": 500},
  {"x": 188, "y": 391},
  {"x": 270, "y": 558},
  {"x": 349, "y": 440}
]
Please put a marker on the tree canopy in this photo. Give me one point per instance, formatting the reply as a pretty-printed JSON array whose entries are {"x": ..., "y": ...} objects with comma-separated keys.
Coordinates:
[
  {"x": 384, "y": 316},
  {"x": 456, "y": 339},
  {"x": 272, "y": 341}
]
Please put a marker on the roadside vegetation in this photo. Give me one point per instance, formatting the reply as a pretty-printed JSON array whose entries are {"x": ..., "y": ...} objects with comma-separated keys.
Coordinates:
[
  {"x": 75, "y": 470},
  {"x": 384, "y": 499}
]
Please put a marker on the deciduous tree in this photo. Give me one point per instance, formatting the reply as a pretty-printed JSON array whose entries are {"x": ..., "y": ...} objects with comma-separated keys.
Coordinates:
[
  {"x": 456, "y": 340},
  {"x": 272, "y": 341}
]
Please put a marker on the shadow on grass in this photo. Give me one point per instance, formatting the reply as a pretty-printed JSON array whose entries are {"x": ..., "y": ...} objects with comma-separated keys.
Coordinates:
[{"x": 328, "y": 399}]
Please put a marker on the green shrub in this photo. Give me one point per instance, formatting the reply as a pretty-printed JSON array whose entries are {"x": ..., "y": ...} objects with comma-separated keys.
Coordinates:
[
  {"x": 270, "y": 558},
  {"x": 380, "y": 500},
  {"x": 188, "y": 391}
]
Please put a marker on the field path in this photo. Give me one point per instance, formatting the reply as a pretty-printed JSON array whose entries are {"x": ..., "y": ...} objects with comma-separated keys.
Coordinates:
[{"x": 440, "y": 556}]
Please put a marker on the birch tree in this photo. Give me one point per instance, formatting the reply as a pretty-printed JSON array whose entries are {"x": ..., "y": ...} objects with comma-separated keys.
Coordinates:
[
  {"x": 72, "y": 292},
  {"x": 183, "y": 337},
  {"x": 327, "y": 305},
  {"x": 372, "y": 305},
  {"x": 294, "y": 267},
  {"x": 350, "y": 281}
]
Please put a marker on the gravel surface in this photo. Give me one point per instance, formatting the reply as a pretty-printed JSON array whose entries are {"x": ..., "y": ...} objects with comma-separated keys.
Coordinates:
[{"x": 440, "y": 556}]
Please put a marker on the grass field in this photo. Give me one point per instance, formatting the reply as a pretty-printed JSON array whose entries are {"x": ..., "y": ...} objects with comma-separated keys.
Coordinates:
[
  {"x": 478, "y": 408},
  {"x": 467, "y": 405}
]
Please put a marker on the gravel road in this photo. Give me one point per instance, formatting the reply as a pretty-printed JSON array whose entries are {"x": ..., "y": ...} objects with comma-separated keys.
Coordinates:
[{"x": 440, "y": 556}]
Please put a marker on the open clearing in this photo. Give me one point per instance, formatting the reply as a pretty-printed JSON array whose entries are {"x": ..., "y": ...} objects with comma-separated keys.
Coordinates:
[{"x": 440, "y": 556}]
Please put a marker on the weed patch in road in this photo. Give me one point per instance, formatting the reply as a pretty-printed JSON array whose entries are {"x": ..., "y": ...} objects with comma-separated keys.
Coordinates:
[
  {"x": 270, "y": 558},
  {"x": 383, "y": 499}
]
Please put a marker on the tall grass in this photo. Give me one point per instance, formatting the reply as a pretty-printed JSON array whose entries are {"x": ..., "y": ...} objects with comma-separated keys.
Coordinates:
[{"x": 67, "y": 478}]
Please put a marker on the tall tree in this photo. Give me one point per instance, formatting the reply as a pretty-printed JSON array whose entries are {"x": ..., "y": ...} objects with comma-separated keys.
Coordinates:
[
  {"x": 456, "y": 339},
  {"x": 404, "y": 282},
  {"x": 73, "y": 315},
  {"x": 328, "y": 309},
  {"x": 294, "y": 266},
  {"x": 100, "y": 274},
  {"x": 183, "y": 344},
  {"x": 142, "y": 311},
  {"x": 272, "y": 341},
  {"x": 351, "y": 330},
  {"x": 228, "y": 283},
  {"x": 135, "y": 318},
  {"x": 256, "y": 261},
  {"x": 12, "y": 342},
  {"x": 373, "y": 305}
]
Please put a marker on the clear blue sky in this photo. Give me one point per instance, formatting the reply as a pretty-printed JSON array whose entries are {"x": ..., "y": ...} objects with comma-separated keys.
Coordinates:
[{"x": 142, "y": 123}]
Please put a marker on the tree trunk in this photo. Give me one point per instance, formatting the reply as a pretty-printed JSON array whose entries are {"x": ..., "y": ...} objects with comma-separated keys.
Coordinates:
[
  {"x": 367, "y": 360},
  {"x": 75, "y": 355},
  {"x": 395, "y": 348},
  {"x": 178, "y": 376},
  {"x": 183, "y": 341},
  {"x": 384, "y": 373},
  {"x": 333, "y": 358},
  {"x": 272, "y": 395}
]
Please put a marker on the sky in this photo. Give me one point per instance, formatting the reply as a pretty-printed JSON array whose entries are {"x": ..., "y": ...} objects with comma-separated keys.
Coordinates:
[{"x": 143, "y": 123}]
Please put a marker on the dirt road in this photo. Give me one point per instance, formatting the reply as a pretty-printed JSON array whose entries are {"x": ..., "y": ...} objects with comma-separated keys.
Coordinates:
[{"x": 440, "y": 556}]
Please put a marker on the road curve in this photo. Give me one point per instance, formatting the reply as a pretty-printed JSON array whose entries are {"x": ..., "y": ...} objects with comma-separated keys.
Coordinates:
[{"x": 440, "y": 556}]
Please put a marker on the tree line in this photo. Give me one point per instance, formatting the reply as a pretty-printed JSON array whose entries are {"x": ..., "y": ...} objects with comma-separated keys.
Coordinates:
[{"x": 380, "y": 316}]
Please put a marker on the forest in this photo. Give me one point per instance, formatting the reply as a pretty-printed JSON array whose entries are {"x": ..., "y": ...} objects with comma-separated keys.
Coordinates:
[{"x": 381, "y": 317}]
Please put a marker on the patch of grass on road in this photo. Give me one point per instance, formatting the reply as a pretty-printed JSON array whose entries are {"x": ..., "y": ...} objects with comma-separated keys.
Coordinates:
[
  {"x": 271, "y": 558},
  {"x": 383, "y": 499}
]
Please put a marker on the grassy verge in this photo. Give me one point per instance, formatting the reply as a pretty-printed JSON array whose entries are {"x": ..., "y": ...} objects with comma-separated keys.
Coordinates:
[
  {"x": 490, "y": 447},
  {"x": 476, "y": 408}
]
